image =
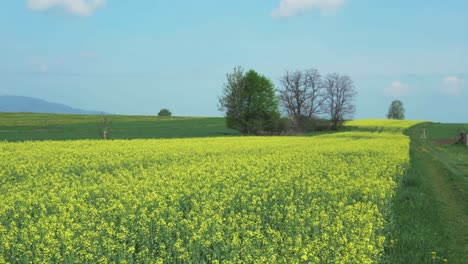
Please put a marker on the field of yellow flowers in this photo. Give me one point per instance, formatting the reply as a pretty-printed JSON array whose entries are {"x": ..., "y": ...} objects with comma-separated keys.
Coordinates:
[{"x": 321, "y": 199}]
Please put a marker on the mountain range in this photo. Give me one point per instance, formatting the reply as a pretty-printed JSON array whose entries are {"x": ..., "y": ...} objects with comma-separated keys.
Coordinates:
[{"x": 26, "y": 104}]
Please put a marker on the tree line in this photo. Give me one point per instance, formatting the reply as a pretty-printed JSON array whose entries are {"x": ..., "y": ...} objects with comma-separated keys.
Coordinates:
[{"x": 308, "y": 101}]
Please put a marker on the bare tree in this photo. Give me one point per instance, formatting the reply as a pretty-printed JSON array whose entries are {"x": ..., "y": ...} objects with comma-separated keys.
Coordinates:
[
  {"x": 302, "y": 96},
  {"x": 294, "y": 95},
  {"x": 314, "y": 84},
  {"x": 104, "y": 127},
  {"x": 302, "y": 93},
  {"x": 340, "y": 94}
]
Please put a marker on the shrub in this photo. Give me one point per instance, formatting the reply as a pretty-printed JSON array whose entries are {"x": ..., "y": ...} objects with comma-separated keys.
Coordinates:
[{"x": 164, "y": 112}]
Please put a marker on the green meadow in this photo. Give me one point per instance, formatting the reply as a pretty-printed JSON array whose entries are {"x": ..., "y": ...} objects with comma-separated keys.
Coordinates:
[{"x": 29, "y": 126}]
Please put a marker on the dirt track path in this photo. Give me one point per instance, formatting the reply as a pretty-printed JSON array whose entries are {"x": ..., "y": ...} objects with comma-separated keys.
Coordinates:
[{"x": 449, "y": 181}]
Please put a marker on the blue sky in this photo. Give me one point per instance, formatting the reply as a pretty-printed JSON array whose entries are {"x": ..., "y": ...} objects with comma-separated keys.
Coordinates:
[{"x": 136, "y": 57}]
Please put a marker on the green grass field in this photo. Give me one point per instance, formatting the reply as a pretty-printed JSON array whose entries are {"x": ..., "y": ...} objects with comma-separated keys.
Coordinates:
[
  {"x": 28, "y": 126},
  {"x": 430, "y": 221},
  {"x": 445, "y": 131}
]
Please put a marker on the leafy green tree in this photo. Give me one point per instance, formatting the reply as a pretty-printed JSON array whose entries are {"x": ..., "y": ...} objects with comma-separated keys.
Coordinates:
[
  {"x": 231, "y": 100},
  {"x": 249, "y": 103},
  {"x": 164, "y": 112},
  {"x": 396, "y": 110}
]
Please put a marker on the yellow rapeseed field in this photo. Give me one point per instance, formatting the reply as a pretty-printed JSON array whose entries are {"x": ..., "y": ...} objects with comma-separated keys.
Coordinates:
[{"x": 321, "y": 199}]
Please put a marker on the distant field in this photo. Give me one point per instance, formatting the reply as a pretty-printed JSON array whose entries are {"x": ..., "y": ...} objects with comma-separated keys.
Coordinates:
[
  {"x": 445, "y": 131},
  {"x": 29, "y": 126},
  {"x": 380, "y": 125}
]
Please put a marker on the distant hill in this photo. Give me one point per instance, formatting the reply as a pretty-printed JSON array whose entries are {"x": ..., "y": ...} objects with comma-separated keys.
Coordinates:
[{"x": 33, "y": 105}]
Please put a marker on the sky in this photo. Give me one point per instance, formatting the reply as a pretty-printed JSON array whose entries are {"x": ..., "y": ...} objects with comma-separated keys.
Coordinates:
[{"x": 136, "y": 57}]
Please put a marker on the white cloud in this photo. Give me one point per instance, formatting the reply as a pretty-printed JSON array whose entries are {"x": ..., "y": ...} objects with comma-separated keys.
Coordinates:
[
  {"x": 289, "y": 8},
  {"x": 453, "y": 80},
  {"x": 398, "y": 88},
  {"x": 74, "y": 7},
  {"x": 452, "y": 85}
]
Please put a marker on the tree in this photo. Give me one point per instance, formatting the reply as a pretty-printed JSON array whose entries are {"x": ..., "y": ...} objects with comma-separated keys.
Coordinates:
[
  {"x": 164, "y": 112},
  {"x": 302, "y": 94},
  {"x": 294, "y": 95},
  {"x": 105, "y": 127},
  {"x": 396, "y": 110},
  {"x": 339, "y": 96},
  {"x": 231, "y": 100},
  {"x": 249, "y": 103},
  {"x": 316, "y": 90}
]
